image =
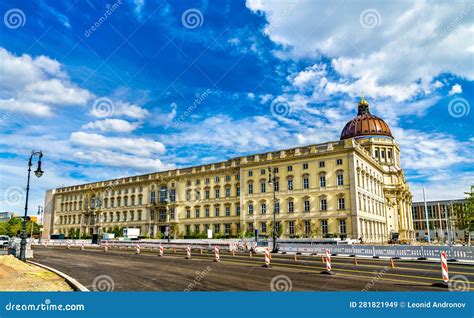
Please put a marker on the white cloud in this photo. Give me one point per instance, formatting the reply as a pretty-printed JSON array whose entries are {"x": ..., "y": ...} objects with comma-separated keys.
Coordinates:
[
  {"x": 135, "y": 146},
  {"x": 112, "y": 125},
  {"x": 36, "y": 86},
  {"x": 399, "y": 57},
  {"x": 455, "y": 89}
]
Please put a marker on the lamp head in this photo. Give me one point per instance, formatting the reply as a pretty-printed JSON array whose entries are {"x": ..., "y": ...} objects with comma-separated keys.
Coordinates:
[{"x": 38, "y": 171}]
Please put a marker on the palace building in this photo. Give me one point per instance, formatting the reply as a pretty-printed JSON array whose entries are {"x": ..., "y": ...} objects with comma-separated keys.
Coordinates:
[{"x": 350, "y": 188}]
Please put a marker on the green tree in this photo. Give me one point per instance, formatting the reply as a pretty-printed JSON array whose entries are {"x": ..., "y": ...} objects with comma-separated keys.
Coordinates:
[
  {"x": 465, "y": 213},
  {"x": 3, "y": 228}
]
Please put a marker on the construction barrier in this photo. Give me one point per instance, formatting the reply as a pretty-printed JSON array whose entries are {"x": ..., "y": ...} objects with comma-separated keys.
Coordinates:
[
  {"x": 188, "y": 252},
  {"x": 328, "y": 260},
  {"x": 267, "y": 257},
  {"x": 444, "y": 267},
  {"x": 161, "y": 250},
  {"x": 137, "y": 248},
  {"x": 82, "y": 246},
  {"x": 216, "y": 252}
]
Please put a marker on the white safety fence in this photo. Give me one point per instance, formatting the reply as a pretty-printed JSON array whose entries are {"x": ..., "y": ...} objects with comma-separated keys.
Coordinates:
[{"x": 459, "y": 253}]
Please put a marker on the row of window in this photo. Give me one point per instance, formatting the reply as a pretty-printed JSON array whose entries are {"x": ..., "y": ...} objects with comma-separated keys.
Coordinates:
[
  {"x": 307, "y": 228},
  {"x": 290, "y": 207},
  {"x": 106, "y": 217}
]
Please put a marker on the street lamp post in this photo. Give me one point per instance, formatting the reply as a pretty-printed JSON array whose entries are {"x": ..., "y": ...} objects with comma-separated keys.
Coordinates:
[
  {"x": 38, "y": 173},
  {"x": 271, "y": 181},
  {"x": 168, "y": 216}
]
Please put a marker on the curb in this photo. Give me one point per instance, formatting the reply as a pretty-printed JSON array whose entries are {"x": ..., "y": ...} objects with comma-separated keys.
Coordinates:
[{"x": 71, "y": 281}]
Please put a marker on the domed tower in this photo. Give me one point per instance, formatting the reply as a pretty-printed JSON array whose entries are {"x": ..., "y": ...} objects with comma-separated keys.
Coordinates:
[{"x": 375, "y": 136}]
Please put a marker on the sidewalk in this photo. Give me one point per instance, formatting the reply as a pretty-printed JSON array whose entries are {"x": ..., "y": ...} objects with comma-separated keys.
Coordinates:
[{"x": 18, "y": 276}]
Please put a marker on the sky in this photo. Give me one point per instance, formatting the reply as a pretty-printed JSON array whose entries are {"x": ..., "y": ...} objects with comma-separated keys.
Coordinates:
[{"x": 126, "y": 87}]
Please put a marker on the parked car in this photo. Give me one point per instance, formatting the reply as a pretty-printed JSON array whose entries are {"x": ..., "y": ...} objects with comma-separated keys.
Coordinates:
[{"x": 4, "y": 240}]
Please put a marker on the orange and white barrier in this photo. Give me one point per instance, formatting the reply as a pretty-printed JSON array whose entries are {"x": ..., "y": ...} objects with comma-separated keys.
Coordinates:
[
  {"x": 106, "y": 246},
  {"x": 216, "y": 252},
  {"x": 328, "y": 260},
  {"x": 68, "y": 245},
  {"x": 444, "y": 267},
  {"x": 82, "y": 246},
  {"x": 137, "y": 248},
  {"x": 161, "y": 250},
  {"x": 188, "y": 252},
  {"x": 267, "y": 257}
]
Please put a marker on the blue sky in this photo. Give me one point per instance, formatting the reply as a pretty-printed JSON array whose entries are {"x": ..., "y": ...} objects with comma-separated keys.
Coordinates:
[{"x": 129, "y": 87}]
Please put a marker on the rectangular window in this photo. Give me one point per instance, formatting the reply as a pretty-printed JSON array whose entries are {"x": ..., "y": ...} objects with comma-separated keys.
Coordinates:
[
  {"x": 227, "y": 178},
  {"x": 263, "y": 208},
  {"x": 206, "y": 211},
  {"x": 238, "y": 191},
  {"x": 250, "y": 227},
  {"x": 173, "y": 195},
  {"x": 340, "y": 179},
  {"x": 307, "y": 227},
  {"x": 227, "y": 192},
  {"x": 342, "y": 226},
  {"x": 139, "y": 218},
  {"x": 152, "y": 197},
  {"x": 188, "y": 213},
  {"x": 341, "y": 203},
  {"x": 290, "y": 184},
  {"x": 207, "y": 181},
  {"x": 305, "y": 166},
  {"x": 207, "y": 194},
  {"x": 216, "y": 211},
  {"x": 217, "y": 193},
  {"x": 250, "y": 188},
  {"x": 250, "y": 209},
  {"x": 172, "y": 211},
  {"x": 291, "y": 226},
  {"x": 276, "y": 186},
  {"x": 217, "y": 179},
  {"x": 324, "y": 204},
  {"x": 338, "y": 162},
  {"x": 324, "y": 227},
  {"x": 306, "y": 206},
  {"x": 290, "y": 168},
  {"x": 227, "y": 228},
  {"x": 322, "y": 181},
  {"x": 291, "y": 207},
  {"x": 389, "y": 154},
  {"x": 321, "y": 164},
  {"x": 262, "y": 171},
  {"x": 250, "y": 173},
  {"x": 377, "y": 152},
  {"x": 305, "y": 183},
  {"x": 263, "y": 187},
  {"x": 188, "y": 230},
  {"x": 237, "y": 210},
  {"x": 196, "y": 228},
  {"x": 277, "y": 207},
  {"x": 162, "y": 215},
  {"x": 217, "y": 228},
  {"x": 263, "y": 227},
  {"x": 227, "y": 211},
  {"x": 197, "y": 212},
  {"x": 277, "y": 227}
]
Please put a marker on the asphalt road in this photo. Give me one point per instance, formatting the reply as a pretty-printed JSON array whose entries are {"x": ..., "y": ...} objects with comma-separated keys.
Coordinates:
[{"x": 122, "y": 270}]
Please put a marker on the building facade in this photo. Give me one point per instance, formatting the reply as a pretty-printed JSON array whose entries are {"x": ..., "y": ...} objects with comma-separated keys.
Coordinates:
[
  {"x": 445, "y": 220},
  {"x": 353, "y": 188},
  {"x": 6, "y": 216}
]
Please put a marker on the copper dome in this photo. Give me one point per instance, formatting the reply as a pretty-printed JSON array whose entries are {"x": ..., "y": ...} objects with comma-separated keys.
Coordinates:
[{"x": 365, "y": 124}]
